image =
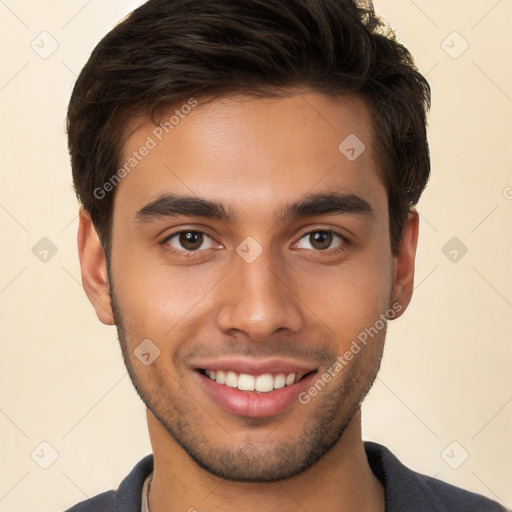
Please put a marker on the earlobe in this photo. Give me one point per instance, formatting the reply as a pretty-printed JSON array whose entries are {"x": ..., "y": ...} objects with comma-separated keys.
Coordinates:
[
  {"x": 94, "y": 268},
  {"x": 403, "y": 264}
]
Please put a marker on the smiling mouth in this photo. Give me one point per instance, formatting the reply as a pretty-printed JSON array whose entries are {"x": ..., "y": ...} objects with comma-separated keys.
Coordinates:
[{"x": 263, "y": 383}]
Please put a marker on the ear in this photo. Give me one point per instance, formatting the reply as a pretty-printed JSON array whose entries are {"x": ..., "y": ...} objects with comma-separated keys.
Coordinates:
[
  {"x": 94, "y": 268},
  {"x": 403, "y": 263}
]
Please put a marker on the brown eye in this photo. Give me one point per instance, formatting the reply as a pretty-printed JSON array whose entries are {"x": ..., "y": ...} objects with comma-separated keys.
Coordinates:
[
  {"x": 321, "y": 241},
  {"x": 190, "y": 241}
]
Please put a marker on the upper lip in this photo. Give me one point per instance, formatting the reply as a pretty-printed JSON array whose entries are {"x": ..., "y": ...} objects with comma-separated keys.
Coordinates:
[{"x": 254, "y": 366}]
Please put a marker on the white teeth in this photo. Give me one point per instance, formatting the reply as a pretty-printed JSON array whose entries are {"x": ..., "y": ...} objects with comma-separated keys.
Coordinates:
[
  {"x": 264, "y": 383},
  {"x": 221, "y": 377},
  {"x": 290, "y": 379},
  {"x": 231, "y": 379},
  {"x": 279, "y": 381},
  {"x": 246, "y": 382},
  {"x": 261, "y": 383}
]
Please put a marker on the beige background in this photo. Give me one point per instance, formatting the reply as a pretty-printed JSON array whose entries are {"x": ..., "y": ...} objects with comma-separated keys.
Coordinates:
[{"x": 446, "y": 374}]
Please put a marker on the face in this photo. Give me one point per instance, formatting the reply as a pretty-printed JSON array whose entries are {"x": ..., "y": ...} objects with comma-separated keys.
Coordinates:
[{"x": 250, "y": 253}]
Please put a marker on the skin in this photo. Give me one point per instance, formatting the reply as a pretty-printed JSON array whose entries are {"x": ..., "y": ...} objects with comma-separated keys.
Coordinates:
[{"x": 295, "y": 301}]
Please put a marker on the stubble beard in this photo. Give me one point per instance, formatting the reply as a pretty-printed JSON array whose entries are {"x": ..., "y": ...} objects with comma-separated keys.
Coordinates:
[{"x": 275, "y": 458}]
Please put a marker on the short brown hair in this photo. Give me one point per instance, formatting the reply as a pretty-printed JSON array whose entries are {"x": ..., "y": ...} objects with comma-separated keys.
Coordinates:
[{"x": 167, "y": 51}]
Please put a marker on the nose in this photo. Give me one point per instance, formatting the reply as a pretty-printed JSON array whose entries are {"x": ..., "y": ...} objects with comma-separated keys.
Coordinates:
[{"x": 258, "y": 300}]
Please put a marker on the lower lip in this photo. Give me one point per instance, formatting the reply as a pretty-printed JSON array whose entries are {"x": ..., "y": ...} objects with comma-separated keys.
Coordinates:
[{"x": 252, "y": 404}]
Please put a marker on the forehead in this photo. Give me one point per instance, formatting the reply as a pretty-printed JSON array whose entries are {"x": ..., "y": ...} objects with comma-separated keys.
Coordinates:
[{"x": 251, "y": 152}]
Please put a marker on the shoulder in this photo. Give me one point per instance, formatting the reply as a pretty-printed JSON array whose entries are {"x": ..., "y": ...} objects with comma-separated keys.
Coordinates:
[
  {"x": 407, "y": 490},
  {"x": 454, "y": 498},
  {"x": 128, "y": 496}
]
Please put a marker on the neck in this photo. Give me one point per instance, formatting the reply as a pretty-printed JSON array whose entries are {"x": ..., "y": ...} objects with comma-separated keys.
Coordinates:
[{"x": 341, "y": 480}]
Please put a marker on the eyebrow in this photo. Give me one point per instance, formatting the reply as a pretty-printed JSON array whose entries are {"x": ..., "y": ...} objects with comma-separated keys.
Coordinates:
[
  {"x": 173, "y": 205},
  {"x": 325, "y": 204}
]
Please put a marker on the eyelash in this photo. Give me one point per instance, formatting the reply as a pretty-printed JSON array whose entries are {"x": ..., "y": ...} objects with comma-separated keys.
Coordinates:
[{"x": 342, "y": 247}]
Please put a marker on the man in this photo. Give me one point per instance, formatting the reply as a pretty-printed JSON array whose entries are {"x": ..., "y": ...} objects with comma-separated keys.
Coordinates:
[{"x": 248, "y": 173}]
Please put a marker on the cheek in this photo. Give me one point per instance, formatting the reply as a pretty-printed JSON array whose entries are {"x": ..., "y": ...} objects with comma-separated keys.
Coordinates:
[
  {"x": 350, "y": 297},
  {"x": 157, "y": 299}
]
